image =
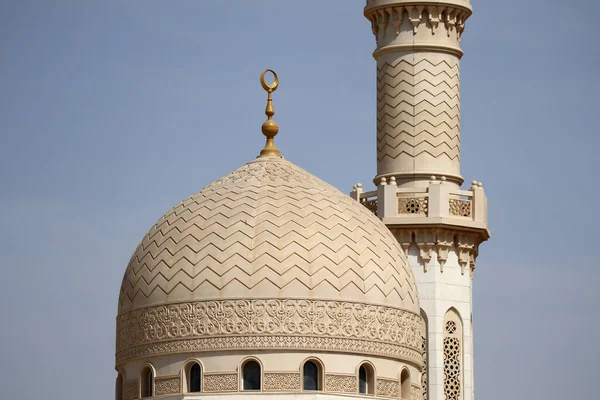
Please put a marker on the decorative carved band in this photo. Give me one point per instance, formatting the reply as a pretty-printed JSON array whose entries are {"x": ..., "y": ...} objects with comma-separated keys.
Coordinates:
[
  {"x": 355, "y": 346},
  {"x": 340, "y": 383},
  {"x": 130, "y": 390},
  {"x": 415, "y": 393},
  {"x": 282, "y": 381},
  {"x": 220, "y": 382},
  {"x": 446, "y": 17},
  {"x": 269, "y": 324},
  {"x": 387, "y": 388},
  {"x": 164, "y": 386}
]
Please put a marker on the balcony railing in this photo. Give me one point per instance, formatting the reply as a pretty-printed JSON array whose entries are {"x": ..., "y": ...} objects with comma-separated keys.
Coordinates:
[{"x": 439, "y": 199}]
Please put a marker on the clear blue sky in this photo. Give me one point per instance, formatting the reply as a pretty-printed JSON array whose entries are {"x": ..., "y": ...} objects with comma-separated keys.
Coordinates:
[{"x": 113, "y": 111}]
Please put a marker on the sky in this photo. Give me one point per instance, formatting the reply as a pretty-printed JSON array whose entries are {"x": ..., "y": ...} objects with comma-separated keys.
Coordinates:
[{"x": 113, "y": 111}]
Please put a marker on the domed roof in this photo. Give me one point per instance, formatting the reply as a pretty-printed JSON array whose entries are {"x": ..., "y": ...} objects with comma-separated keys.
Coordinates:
[
  {"x": 269, "y": 258},
  {"x": 268, "y": 230}
]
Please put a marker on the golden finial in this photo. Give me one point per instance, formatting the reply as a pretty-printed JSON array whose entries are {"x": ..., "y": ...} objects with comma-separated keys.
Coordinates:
[{"x": 270, "y": 127}]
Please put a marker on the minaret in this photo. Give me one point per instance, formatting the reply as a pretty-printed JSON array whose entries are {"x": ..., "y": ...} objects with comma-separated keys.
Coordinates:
[{"x": 418, "y": 177}]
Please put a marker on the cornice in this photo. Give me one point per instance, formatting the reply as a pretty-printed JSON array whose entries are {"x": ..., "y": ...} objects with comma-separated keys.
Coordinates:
[
  {"x": 432, "y": 47},
  {"x": 452, "y": 15},
  {"x": 377, "y": 5},
  {"x": 441, "y": 239},
  {"x": 448, "y": 223}
]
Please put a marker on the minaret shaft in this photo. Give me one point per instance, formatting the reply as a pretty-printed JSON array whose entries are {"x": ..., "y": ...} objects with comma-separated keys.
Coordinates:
[
  {"x": 418, "y": 197},
  {"x": 418, "y": 89}
]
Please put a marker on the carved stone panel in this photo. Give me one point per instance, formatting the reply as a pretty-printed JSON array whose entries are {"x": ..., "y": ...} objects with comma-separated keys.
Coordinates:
[
  {"x": 220, "y": 383},
  {"x": 282, "y": 382},
  {"x": 415, "y": 392},
  {"x": 130, "y": 390},
  {"x": 387, "y": 388},
  {"x": 340, "y": 383},
  {"x": 170, "y": 385},
  {"x": 269, "y": 324}
]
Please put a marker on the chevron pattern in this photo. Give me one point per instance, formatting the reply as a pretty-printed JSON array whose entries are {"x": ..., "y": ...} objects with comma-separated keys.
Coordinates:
[
  {"x": 418, "y": 111},
  {"x": 268, "y": 230}
]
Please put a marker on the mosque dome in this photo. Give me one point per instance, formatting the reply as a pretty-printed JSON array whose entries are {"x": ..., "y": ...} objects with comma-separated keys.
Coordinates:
[
  {"x": 268, "y": 230},
  {"x": 266, "y": 260}
]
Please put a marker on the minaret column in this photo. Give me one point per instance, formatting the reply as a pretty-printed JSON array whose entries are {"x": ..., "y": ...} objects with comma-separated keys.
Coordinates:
[
  {"x": 439, "y": 225},
  {"x": 418, "y": 88}
]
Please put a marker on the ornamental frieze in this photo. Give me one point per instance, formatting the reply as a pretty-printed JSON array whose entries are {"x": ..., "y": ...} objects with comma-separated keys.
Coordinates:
[
  {"x": 387, "y": 388},
  {"x": 164, "y": 386},
  {"x": 220, "y": 383},
  {"x": 269, "y": 323},
  {"x": 279, "y": 382}
]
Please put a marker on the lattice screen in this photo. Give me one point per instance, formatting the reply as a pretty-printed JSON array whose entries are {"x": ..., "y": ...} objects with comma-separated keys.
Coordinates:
[{"x": 452, "y": 356}]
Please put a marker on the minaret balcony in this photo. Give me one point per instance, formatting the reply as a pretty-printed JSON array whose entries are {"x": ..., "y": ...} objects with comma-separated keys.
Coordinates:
[{"x": 438, "y": 204}]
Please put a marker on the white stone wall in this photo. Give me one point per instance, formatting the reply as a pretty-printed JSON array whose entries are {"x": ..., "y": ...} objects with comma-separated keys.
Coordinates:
[{"x": 438, "y": 292}]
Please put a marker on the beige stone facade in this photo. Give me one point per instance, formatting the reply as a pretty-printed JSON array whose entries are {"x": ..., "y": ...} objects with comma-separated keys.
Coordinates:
[
  {"x": 268, "y": 264},
  {"x": 270, "y": 282}
]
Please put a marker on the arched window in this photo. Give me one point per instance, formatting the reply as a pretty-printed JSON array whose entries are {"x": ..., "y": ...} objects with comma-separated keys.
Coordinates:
[
  {"x": 147, "y": 382},
  {"x": 194, "y": 378},
  {"x": 366, "y": 379},
  {"x": 452, "y": 346},
  {"x": 251, "y": 375},
  {"x": 405, "y": 384},
  {"x": 311, "y": 376},
  {"x": 362, "y": 380},
  {"x": 119, "y": 387}
]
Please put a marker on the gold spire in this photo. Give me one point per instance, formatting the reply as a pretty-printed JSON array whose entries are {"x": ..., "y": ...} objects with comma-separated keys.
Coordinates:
[{"x": 270, "y": 127}]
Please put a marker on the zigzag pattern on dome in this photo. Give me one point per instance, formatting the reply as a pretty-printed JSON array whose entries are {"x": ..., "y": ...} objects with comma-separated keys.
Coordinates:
[
  {"x": 418, "y": 109},
  {"x": 268, "y": 230}
]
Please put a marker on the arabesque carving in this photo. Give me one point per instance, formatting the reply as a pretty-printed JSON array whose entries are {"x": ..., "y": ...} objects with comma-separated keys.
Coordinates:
[
  {"x": 415, "y": 393},
  {"x": 340, "y": 383},
  {"x": 170, "y": 385},
  {"x": 388, "y": 388},
  {"x": 215, "y": 383},
  {"x": 130, "y": 390},
  {"x": 424, "y": 385},
  {"x": 282, "y": 381},
  {"x": 272, "y": 323}
]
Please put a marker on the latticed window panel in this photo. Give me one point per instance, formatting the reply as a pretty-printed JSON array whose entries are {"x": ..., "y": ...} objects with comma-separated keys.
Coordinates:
[
  {"x": 460, "y": 208},
  {"x": 451, "y": 327},
  {"x": 412, "y": 205},
  {"x": 370, "y": 204},
  {"x": 452, "y": 347},
  {"x": 451, "y": 368}
]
